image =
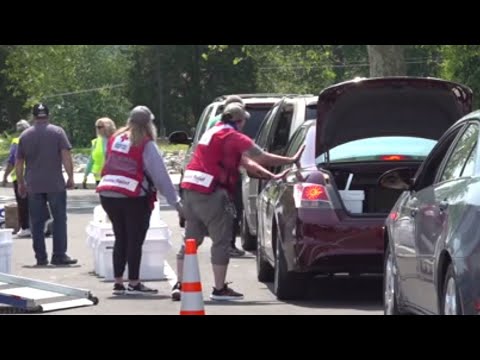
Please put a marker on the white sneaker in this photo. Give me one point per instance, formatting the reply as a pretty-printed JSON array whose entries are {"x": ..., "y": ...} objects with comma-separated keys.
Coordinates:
[{"x": 24, "y": 233}]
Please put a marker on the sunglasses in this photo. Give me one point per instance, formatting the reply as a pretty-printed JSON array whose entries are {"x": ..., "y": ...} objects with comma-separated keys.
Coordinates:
[{"x": 100, "y": 127}]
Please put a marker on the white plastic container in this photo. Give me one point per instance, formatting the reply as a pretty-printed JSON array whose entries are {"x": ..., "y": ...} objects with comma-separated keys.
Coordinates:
[
  {"x": 353, "y": 200},
  {"x": 100, "y": 216},
  {"x": 6, "y": 245},
  {"x": 101, "y": 239},
  {"x": 152, "y": 266},
  {"x": 155, "y": 218}
]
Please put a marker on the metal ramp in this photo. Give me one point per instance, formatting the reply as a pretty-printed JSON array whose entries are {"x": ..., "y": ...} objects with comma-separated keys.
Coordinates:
[{"x": 40, "y": 296}]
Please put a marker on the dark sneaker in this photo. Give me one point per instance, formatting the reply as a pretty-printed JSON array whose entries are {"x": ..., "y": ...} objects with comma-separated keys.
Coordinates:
[
  {"x": 42, "y": 262},
  {"x": 177, "y": 292},
  {"x": 225, "y": 294},
  {"x": 66, "y": 260},
  {"x": 140, "y": 289},
  {"x": 234, "y": 252},
  {"x": 119, "y": 289}
]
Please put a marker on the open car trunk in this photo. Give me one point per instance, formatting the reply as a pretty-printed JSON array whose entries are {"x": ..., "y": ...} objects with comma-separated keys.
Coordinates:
[
  {"x": 362, "y": 109},
  {"x": 359, "y": 189},
  {"x": 401, "y": 106}
]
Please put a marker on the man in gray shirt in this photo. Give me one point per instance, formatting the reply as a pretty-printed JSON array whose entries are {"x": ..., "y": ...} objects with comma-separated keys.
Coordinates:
[{"x": 42, "y": 149}]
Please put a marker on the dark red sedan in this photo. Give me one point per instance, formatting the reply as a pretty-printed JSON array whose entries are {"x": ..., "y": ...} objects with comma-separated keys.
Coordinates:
[{"x": 327, "y": 217}]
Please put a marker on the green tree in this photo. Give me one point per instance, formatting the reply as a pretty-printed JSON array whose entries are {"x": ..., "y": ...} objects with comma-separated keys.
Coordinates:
[
  {"x": 460, "y": 64},
  {"x": 178, "y": 81},
  {"x": 80, "y": 83}
]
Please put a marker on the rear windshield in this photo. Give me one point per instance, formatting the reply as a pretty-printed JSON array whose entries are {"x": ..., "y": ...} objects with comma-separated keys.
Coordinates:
[
  {"x": 257, "y": 115},
  {"x": 388, "y": 148}
]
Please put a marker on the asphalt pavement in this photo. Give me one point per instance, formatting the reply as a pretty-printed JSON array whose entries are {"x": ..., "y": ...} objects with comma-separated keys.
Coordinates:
[{"x": 326, "y": 296}]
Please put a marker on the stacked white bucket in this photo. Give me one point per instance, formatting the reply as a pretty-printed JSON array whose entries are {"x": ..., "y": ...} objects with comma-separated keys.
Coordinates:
[
  {"x": 6, "y": 245},
  {"x": 101, "y": 239}
]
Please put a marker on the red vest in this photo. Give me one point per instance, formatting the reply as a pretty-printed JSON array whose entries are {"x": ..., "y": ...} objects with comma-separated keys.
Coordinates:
[
  {"x": 212, "y": 165},
  {"x": 123, "y": 171}
]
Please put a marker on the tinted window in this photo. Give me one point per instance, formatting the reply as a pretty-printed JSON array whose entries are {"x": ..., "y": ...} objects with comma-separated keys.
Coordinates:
[
  {"x": 469, "y": 169},
  {"x": 461, "y": 158},
  {"x": 311, "y": 112},
  {"x": 298, "y": 139},
  {"x": 257, "y": 115},
  {"x": 375, "y": 149},
  {"x": 266, "y": 125},
  {"x": 281, "y": 133}
]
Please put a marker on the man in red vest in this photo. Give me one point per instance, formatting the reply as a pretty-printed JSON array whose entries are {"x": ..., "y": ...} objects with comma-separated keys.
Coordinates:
[{"x": 209, "y": 186}]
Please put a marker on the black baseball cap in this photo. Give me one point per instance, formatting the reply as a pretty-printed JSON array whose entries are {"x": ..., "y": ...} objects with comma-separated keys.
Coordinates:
[{"x": 40, "y": 111}]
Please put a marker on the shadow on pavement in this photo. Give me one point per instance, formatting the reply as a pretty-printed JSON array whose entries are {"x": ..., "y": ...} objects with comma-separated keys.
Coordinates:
[
  {"x": 342, "y": 293},
  {"x": 240, "y": 303},
  {"x": 51, "y": 266},
  {"x": 139, "y": 297}
]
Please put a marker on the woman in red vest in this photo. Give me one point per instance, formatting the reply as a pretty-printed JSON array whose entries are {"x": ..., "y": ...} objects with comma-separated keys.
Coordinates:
[
  {"x": 133, "y": 172},
  {"x": 209, "y": 185}
]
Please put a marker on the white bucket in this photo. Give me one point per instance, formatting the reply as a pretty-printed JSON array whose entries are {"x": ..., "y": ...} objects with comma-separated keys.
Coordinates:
[
  {"x": 353, "y": 200},
  {"x": 6, "y": 245}
]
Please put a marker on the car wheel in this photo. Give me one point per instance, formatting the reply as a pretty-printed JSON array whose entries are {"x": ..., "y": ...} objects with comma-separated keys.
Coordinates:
[
  {"x": 249, "y": 242},
  {"x": 450, "y": 304},
  {"x": 288, "y": 285},
  {"x": 390, "y": 304},
  {"x": 264, "y": 269}
]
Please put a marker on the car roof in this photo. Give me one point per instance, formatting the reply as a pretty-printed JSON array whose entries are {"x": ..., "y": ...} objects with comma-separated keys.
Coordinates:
[
  {"x": 262, "y": 98},
  {"x": 260, "y": 95},
  {"x": 309, "y": 99}
]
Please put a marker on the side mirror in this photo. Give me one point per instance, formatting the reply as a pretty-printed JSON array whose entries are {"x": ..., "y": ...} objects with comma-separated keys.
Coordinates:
[
  {"x": 397, "y": 179},
  {"x": 180, "y": 138}
]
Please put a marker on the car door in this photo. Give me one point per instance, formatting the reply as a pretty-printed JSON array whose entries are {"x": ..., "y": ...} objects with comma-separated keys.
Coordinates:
[
  {"x": 251, "y": 186},
  {"x": 403, "y": 227},
  {"x": 439, "y": 207},
  {"x": 277, "y": 194}
]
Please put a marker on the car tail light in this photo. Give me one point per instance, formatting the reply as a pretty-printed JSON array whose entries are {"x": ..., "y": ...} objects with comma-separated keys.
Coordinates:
[
  {"x": 393, "y": 216},
  {"x": 310, "y": 196},
  {"x": 393, "y": 158}
]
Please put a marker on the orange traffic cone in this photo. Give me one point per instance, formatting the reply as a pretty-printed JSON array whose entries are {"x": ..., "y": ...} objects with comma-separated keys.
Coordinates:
[{"x": 192, "y": 297}]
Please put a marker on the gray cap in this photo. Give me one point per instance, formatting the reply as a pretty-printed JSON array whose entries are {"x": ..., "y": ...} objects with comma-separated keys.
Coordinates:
[
  {"x": 237, "y": 112},
  {"x": 232, "y": 99},
  {"x": 141, "y": 115},
  {"x": 23, "y": 125}
]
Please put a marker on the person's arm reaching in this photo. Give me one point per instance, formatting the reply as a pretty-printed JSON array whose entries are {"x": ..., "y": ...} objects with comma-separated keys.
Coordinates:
[
  {"x": 254, "y": 169},
  {"x": 267, "y": 159},
  {"x": 157, "y": 171},
  {"x": 245, "y": 146}
]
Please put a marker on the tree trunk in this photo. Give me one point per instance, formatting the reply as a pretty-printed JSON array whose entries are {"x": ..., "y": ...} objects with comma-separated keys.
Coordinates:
[{"x": 387, "y": 60}]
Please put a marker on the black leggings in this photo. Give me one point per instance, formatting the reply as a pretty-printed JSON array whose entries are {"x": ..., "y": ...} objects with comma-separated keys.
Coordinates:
[{"x": 130, "y": 219}]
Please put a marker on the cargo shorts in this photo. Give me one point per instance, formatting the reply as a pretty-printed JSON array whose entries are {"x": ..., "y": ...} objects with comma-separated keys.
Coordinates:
[{"x": 211, "y": 214}]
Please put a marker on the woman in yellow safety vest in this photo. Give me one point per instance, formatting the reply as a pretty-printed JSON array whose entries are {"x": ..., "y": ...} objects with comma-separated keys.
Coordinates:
[
  {"x": 22, "y": 203},
  {"x": 105, "y": 129}
]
